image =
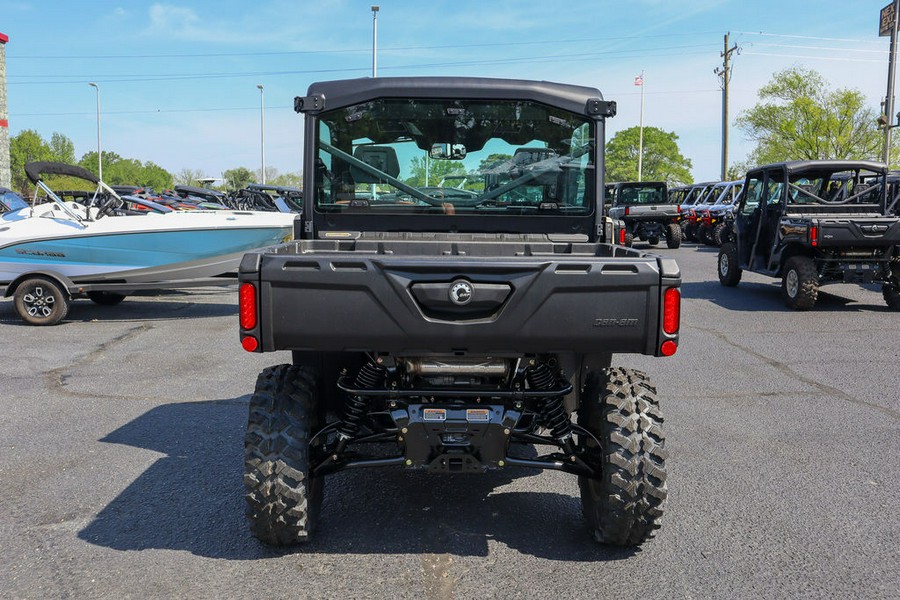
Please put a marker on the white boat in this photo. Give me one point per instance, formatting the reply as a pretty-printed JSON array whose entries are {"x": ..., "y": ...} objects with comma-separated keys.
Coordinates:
[{"x": 80, "y": 248}]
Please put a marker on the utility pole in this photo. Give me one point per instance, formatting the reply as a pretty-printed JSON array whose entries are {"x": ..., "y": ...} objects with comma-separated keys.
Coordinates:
[
  {"x": 890, "y": 13},
  {"x": 374, "y": 41},
  {"x": 639, "y": 81},
  {"x": 724, "y": 73}
]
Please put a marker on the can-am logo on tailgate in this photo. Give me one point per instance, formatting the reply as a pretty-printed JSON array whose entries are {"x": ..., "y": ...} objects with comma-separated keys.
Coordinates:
[
  {"x": 615, "y": 322},
  {"x": 461, "y": 293}
]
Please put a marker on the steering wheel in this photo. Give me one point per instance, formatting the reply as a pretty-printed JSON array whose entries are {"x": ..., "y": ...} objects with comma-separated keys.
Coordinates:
[{"x": 109, "y": 207}]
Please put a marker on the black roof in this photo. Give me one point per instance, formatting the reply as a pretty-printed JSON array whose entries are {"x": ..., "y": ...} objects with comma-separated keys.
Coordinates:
[
  {"x": 797, "y": 166},
  {"x": 191, "y": 189},
  {"x": 35, "y": 169},
  {"x": 347, "y": 92}
]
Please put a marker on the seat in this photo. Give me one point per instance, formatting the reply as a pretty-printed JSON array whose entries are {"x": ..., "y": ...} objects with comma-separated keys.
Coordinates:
[{"x": 383, "y": 158}]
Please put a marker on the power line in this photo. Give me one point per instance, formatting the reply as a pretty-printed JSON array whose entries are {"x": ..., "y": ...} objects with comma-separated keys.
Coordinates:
[
  {"x": 580, "y": 57},
  {"x": 837, "y": 58},
  {"x": 355, "y": 50},
  {"x": 808, "y": 37}
]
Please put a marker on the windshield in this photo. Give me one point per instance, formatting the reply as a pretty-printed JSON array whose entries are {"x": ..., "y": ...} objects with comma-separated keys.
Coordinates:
[
  {"x": 638, "y": 193},
  {"x": 11, "y": 201},
  {"x": 454, "y": 156}
]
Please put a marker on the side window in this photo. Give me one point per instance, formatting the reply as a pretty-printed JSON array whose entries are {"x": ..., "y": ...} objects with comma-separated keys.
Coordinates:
[
  {"x": 752, "y": 195},
  {"x": 774, "y": 189}
]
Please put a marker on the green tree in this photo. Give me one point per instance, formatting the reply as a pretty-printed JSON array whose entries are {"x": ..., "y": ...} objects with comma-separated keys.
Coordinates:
[
  {"x": 238, "y": 178},
  {"x": 188, "y": 176},
  {"x": 492, "y": 160},
  {"x": 62, "y": 148},
  {"x": 437, "y": 170},
  {"x": 662, "y": 160},
  {"x": 293, "y": 180},
  {"x": 25, "y": 147},
  {"x": 799, "y": 116}
]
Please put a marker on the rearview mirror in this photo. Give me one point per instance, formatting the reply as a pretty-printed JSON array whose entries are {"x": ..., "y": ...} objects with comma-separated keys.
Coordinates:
[{"x": 448, "y": 151}]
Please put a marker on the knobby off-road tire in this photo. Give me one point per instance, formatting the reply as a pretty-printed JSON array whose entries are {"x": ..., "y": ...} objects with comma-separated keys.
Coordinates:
[
  {"x": 673, "y": 236},
  {"x": 41, "y": 301},
  {"x": 891, "y": 288},
  {"x": 283, "y": 499},
  {"x": 690, "y": 232},
  {"x": 891, "y": 293},
  {"x": 629, "y": 239},
  {"x": 729, "y": 271},
  {"x": 624, "y": 503},
  {"x": 800, "y": 283},
  {"x": 719, "y": 234}
]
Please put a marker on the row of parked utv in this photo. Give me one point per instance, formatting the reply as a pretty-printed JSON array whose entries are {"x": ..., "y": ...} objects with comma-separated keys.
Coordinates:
[
  {"x": 808, "y": 223},
  {"x": 650, "y": 212},
  {"x": 137, "y": 200}
]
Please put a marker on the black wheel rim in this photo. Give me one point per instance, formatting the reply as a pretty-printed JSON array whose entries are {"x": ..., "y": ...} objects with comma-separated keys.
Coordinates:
[{"x": 39, "y": 302}]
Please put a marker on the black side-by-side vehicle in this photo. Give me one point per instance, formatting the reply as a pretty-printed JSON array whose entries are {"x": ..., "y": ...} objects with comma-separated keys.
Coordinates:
[
  {"x": 812, "y": 223},
  {"x": 445, "y": 328}
]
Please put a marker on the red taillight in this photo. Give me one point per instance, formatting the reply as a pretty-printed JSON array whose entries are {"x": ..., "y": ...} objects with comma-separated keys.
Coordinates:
[
  {"x": 622, "y": 237},
  {"x": 814, "y": 236},
  {"x": 679, "y": 209},
  {"x": 627, "y": 210},
  {"x": 247, "y": 305},
  {"x": 250, "y": 344},
  {"x": 668, "y": 348},
  {"x": 671, "y": 310}
]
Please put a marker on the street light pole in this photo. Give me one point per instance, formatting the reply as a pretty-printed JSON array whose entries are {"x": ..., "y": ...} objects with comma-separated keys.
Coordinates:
[
  {"x": 374, "y": 40},
  {"x": 262, "y": 133},
  {"x": 99, "y": 152}
]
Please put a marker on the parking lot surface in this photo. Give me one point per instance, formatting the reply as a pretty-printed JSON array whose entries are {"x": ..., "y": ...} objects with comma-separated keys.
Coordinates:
[{"x": 121, "y": 457}]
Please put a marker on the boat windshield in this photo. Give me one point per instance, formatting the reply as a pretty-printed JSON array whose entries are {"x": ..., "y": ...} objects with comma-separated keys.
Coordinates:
[
  {"x": 10, "y": 201},
  {"x": 454, "y": 156}
]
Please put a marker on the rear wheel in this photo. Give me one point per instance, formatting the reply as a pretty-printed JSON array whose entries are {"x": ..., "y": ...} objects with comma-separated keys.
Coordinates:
[
  {"x": 673, "y": 235},
  {"x": 283, "y": 497},
  {"x": 891, "y": 288},
  {"x": 729, "y": 271},
  {"x": 891, "y": 293},
  {"x": 800, "y": 283},
  {"x": 629, "y": 239},
  {"x": 41, "y": 301},
  {"x": 624, "y": 502}
]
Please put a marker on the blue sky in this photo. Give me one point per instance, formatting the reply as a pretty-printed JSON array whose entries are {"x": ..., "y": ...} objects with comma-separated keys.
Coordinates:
[{"x": 179, "y": 80}]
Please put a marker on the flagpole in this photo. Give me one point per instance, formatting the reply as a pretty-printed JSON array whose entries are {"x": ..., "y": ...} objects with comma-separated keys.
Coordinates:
[{"x": 641, "y": 134}]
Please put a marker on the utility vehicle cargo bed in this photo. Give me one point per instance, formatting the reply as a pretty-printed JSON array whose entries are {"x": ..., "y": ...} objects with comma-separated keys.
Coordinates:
[{"x": 420, "y": 296}]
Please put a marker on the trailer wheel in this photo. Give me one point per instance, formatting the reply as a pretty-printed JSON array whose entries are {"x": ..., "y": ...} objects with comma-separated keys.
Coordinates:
[
  {"x": 624, "y": 502},
  {"x": 800, "y": 283},
  {"x": 673, "y": 236},
  {"x": 283, "y": 497},
  {"x": 729, "y": 271},
  {"x": 106, "y": 298},
  {"x": 41, "y": 301}
]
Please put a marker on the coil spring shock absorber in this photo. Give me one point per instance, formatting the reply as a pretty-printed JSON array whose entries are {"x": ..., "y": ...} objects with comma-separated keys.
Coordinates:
[
  {"x": 371, "y": 375},
  {"x": 540, "y": 377}
]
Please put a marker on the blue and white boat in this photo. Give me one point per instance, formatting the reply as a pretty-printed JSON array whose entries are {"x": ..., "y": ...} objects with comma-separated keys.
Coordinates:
[{"x": 70, "y": 244}]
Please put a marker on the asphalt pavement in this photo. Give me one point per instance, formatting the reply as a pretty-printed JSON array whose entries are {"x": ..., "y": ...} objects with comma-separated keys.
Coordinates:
[{"x": 121, "y": 457}]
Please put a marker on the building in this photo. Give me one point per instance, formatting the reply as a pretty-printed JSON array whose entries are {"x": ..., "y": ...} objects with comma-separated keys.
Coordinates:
[{"x": 5, "y": 173}]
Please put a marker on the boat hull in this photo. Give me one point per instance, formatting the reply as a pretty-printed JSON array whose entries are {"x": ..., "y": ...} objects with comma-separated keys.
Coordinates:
[{"x": 185, "y": 247}]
